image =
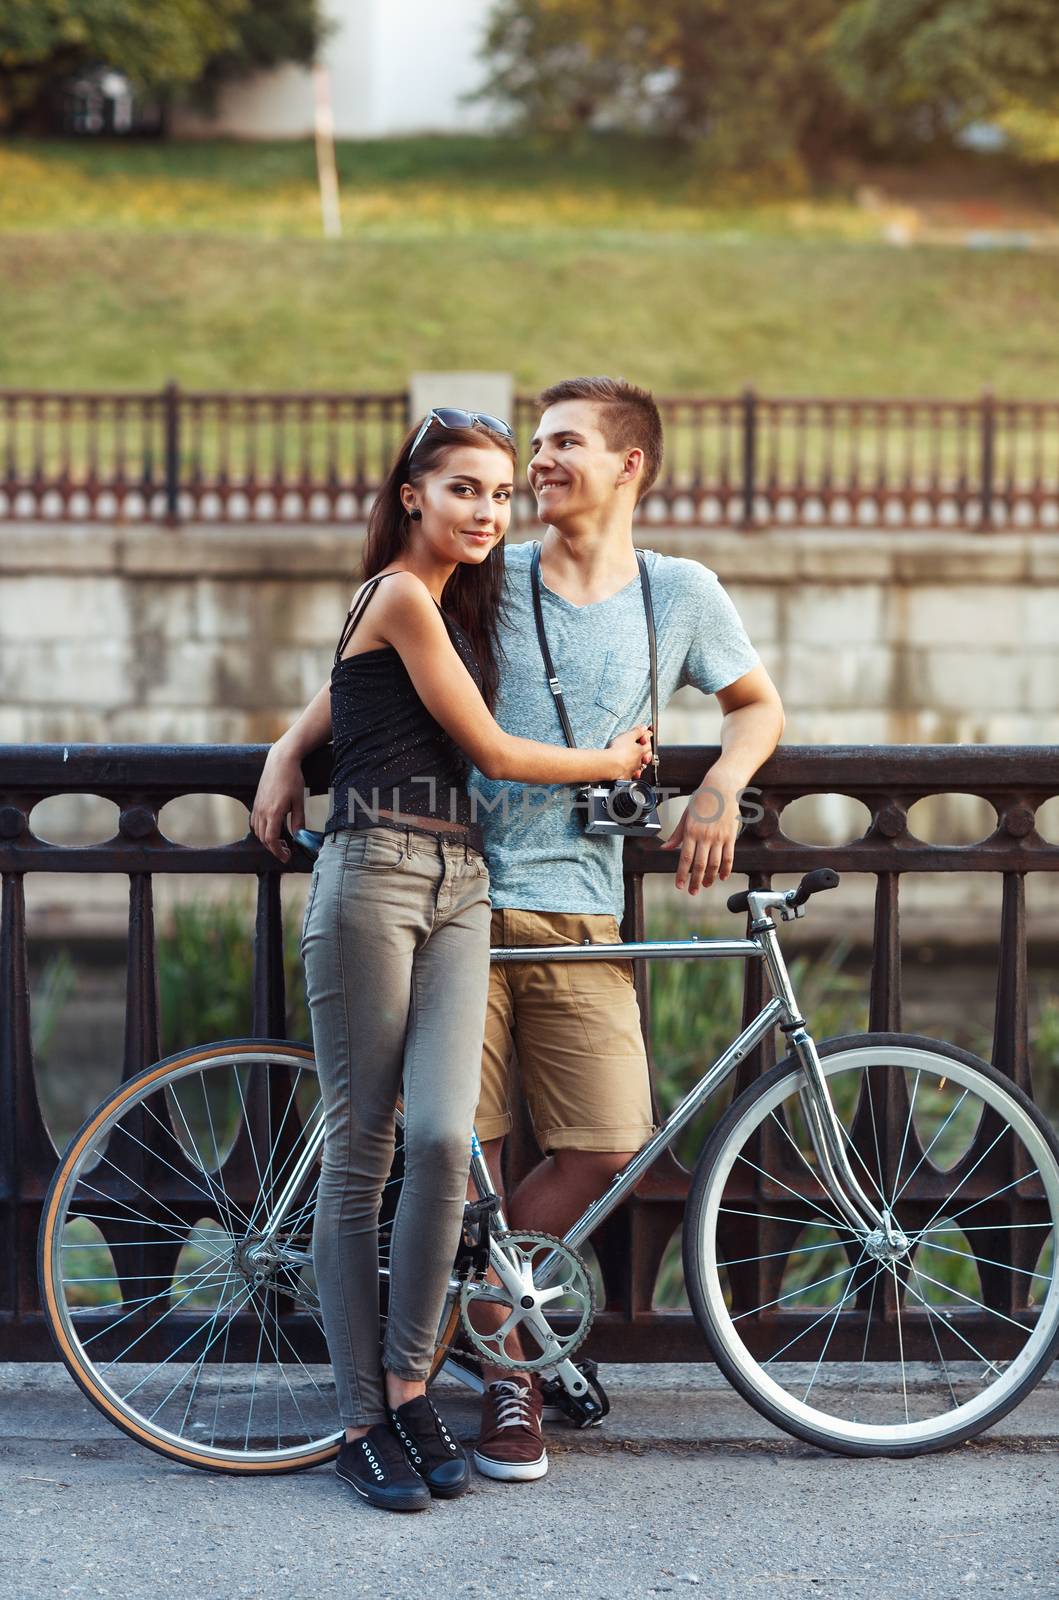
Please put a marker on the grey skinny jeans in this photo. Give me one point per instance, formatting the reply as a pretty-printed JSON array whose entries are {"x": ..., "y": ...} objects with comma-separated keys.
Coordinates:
[{"x": 396, "y": 950}]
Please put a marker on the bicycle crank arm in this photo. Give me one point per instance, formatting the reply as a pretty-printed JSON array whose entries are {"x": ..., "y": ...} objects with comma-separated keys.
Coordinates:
[{"x": 572, "y": 1378}]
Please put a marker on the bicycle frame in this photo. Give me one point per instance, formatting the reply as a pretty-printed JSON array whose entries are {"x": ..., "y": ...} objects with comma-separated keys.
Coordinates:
[{"x": 826, "y": 1132}]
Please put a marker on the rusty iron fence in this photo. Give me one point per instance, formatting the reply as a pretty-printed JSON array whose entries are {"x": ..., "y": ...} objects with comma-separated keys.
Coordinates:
[
  {"x": 887, "y": 780},
  {"x": 747, "y": 461}
]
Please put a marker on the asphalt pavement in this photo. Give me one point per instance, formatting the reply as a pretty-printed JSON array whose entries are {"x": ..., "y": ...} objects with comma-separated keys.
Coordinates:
[{"x": 684, "y": 1489}]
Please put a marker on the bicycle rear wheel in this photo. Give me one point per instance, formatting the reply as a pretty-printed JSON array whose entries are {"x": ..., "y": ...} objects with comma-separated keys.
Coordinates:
[
  {"x": 849, "y": 1342},
  {"x": 169, "y": 1327}
]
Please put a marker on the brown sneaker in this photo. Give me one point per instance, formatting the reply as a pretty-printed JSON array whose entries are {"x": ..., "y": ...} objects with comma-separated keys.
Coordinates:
[{"x": 509, "y": 1443}]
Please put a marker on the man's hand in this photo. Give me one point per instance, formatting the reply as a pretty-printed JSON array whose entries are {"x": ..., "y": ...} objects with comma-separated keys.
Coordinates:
[
  {"x": 706, "y": 833},
  {"x": 280, "y": 794}
]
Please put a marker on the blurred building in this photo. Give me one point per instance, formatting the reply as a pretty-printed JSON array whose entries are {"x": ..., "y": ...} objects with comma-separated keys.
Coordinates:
[{"x": 395, "y": 66}]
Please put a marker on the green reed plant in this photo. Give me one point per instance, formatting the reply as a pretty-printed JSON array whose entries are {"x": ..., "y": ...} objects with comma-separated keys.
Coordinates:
[
  {"x": 56, "y": 985},
  {"x": 205, "y": 973}
]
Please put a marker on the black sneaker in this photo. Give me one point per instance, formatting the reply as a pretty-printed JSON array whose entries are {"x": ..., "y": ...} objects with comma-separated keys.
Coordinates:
[
  {"x": 376, "y": 1468},
  {"x": 430, "y": 1448}
]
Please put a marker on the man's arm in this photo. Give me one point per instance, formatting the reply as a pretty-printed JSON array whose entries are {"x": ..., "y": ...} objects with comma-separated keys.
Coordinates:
[
  {"x": 706, "y": 833},
  {"x": 281, "y": 790}
]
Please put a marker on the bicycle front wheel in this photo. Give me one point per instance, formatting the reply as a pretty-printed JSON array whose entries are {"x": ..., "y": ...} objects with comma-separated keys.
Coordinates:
[
  {"x": 165, "y": 1312},
  {"x": 849, "y": 1341}
]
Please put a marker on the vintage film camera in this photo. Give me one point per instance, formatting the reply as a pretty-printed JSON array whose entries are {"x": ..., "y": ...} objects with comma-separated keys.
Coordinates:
[{"x": 628, "y": 807}]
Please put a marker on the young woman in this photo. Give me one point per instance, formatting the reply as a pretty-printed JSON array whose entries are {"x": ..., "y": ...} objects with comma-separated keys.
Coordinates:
[{"x": 396, "y": 932}]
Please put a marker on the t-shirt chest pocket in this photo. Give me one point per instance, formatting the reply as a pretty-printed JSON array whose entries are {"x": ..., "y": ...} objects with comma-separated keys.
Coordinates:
[{"x": 624, "y": 684}]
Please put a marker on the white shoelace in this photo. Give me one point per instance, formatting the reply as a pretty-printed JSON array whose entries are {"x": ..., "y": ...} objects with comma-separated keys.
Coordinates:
[{"x": 512, "y": 1403}]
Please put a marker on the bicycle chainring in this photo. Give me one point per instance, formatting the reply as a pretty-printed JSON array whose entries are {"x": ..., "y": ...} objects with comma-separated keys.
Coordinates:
[{"x": 524, "y": 1339}]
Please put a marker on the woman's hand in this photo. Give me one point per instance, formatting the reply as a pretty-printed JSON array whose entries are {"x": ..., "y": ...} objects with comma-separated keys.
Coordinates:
[
  {"x": 632, "y": 752},
  {"x": 280, "y": 794}
]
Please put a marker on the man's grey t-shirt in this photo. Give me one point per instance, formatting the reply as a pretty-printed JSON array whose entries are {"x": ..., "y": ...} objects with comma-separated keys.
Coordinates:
[{"x": 540, "y": 858}]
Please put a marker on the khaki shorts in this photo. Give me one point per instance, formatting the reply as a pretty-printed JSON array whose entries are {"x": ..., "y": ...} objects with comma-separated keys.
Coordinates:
[{"x": 576, "y": 1028}]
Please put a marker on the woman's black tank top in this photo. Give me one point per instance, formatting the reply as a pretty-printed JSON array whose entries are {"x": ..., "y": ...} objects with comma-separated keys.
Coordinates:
[{"x": 388, "y": 753}]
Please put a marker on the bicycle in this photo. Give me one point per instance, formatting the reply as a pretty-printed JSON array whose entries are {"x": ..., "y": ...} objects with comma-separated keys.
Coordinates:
[{"x": 200, "y": 1334}]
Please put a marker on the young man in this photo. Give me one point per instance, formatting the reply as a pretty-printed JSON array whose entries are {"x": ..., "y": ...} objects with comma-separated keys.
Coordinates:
[{"x": 576, "y": 1027}]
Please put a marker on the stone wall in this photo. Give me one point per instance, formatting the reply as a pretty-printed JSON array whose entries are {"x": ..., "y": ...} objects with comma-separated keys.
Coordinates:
[{"x": 211, "y": 634}]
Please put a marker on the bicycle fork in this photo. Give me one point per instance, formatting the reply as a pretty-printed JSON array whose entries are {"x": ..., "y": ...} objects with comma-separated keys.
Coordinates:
[{"x": 826, "y": 1133}]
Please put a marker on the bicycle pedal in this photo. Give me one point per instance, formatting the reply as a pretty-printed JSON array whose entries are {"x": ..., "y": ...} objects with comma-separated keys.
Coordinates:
[{"x": 583, "y": 1411}]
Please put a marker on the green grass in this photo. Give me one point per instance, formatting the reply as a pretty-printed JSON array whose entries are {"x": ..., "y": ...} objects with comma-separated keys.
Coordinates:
[{"x": 127, "y": 265}]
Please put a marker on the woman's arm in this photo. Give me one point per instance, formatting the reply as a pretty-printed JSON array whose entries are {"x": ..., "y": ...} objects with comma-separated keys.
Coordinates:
[
  {"x": 404, "y": 615},
  {"x": 281, "y": 790}
]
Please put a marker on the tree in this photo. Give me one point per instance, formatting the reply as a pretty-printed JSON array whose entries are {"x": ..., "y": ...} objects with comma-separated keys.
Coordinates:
[
  {"x": 752, "y": 78},
  {"x": 268, "y": 33},
  {"x": 946, "y": 63},
  {"x": 160, "y": 45},
  {"x": 767, "y": 82}
]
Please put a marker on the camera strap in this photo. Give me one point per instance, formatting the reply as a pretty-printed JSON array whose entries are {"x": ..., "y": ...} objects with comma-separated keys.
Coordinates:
[{"x": 549, "y": 665}]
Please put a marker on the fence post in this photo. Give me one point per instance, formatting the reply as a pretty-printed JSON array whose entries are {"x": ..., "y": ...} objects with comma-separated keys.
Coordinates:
[
  {"x": 987, "y": 467},
  {"x": 749, "y": 405},
  {"x": 171, "y": 432}
]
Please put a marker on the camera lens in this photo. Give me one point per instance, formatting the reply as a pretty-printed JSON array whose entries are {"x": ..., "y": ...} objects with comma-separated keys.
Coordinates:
[{"x": 628, "y": 802}]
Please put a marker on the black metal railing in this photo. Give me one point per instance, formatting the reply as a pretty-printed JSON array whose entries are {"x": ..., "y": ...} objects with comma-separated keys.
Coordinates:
[
  {"x": 141, "y": 780},
  {"x": 745, "y": 461}
]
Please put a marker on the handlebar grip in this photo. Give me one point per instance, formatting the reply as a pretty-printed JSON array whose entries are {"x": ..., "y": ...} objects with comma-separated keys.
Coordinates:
[
  {"x": 820, "y": 878},
  {"x": 813, "y": 882}
]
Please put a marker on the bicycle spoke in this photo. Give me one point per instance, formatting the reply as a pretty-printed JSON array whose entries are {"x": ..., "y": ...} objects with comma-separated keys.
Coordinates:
[
  {"x": 792, "y": 1294},
  {"x": 222, "y": 1199},
  {"x": 159, "y": 1364},
  {"x": 904, "y": 1139},
  {"x": 180, "y": 1229},
  {"x": 208, "y": 1326},
  {"x": 803, "y": 1332},
  {"x": 140, "y": 1306},
  {"x": 146, "y": 1277},
  {"x": 294, "y": 1151},
  {"x": 848, "y": 1293},
  {"x": 253, "y": 1384},
  {"x": 950, "y": 1327},
  {"x": 934, "y": 1336},
  {"x": 972, "y": 1205},
  {"x": 926, "y": 1153},
  {"x": 154, "y": 1156},
  {"x": 874, "y": 1129},
  {"x": 987, "y": 1261},
  {"x": 980, "y": 1305},
  {"x": 137, "y": 1304},
  {"x": 900, "y": 1340},
  {"x": 766, "y": 1216},
  {"x": 988, "y": 1227},
  {"x": 773, "y": 1255},
  {"x": 294, "y": 1352},
  {"x": 770, "y": 1178},
  {"x": 852, "y": 1147},
  {"x": 249, "y": 1136},
  {"x": 279, "y": 1334},
  {"x": 867, "y": 1335}
]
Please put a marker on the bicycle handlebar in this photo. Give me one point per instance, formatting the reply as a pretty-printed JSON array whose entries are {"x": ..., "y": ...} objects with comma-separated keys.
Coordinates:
[{"x": 813, "y": 883}]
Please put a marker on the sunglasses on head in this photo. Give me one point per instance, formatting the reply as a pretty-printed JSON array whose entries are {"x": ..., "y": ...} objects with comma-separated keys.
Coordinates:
[{"x": 451, "y": 417}]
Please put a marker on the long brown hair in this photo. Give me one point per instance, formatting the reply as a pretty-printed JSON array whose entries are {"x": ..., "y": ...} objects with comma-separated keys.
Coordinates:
[{"x": 473, "y": 596}]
